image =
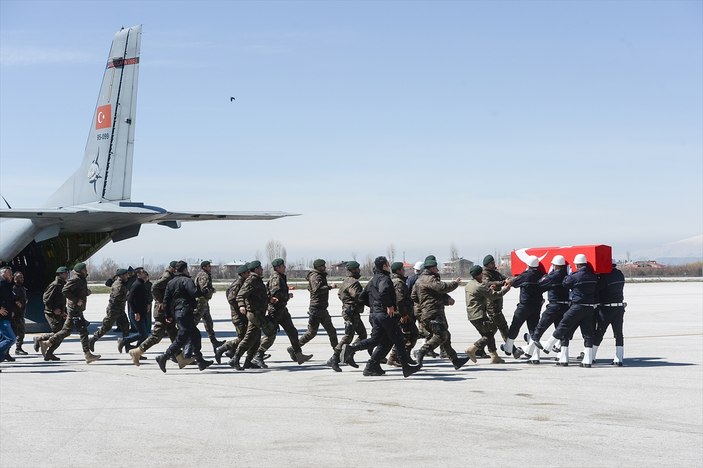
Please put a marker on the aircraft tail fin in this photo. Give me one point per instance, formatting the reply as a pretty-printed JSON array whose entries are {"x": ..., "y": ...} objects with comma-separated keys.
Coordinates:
[{"x": 106, "y": 171}]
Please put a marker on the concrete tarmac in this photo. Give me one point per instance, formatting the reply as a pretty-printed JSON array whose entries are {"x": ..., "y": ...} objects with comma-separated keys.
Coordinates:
[{"x": 113, "y": 414}]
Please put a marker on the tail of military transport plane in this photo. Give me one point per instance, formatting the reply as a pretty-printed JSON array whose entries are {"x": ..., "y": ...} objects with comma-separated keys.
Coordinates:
[
  {"x": 106, "y": 171},
  {"x": 94, "y": 207}
]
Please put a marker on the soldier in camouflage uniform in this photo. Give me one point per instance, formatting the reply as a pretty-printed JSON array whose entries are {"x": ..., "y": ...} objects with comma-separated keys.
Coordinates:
[
  {"x": 254, "y": 299},
  {"x": 203, "y": 280},
  {"x": 317, "y": 313},
  {"x": 494, "y": 279},
  {"x": 115, "y": 313},
  {"x": 278, "y": 311},
  {"x": 431, "y": 294},
  {"x": 76, "y": 292},
  {"x": 352, "y": 308},
  {"x": 239, "y": 319},
  {"x": 20, "y": 293},
  {"x": 54, "y": 309},
  {"x": 406, "y": 312},
  {"x": 162, "y": 327},
  {"x": 478, "y": 296}
]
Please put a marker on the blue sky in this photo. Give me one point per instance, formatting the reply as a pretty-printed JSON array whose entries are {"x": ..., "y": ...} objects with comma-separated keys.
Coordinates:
[{"x": 489, "y": 125}]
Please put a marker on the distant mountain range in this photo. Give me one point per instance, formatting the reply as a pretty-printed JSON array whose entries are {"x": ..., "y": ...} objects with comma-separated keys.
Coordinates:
[{"x": 680, "y": 252}]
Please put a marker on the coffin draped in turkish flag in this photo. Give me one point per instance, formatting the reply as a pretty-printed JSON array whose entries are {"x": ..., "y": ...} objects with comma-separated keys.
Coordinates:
[{"x": 600, "y": 257}]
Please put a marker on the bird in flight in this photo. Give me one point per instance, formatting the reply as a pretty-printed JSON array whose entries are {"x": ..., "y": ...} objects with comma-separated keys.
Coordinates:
[{"x": 231, "y": 99}]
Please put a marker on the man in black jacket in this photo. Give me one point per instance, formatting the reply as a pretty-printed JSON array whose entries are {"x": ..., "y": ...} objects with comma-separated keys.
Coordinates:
[
  {"x": 611, "y": 311},
  {"x": 379, "y": 296},
  {"x": 138, "y": 304},
  {"x": 179, "y": 302}
]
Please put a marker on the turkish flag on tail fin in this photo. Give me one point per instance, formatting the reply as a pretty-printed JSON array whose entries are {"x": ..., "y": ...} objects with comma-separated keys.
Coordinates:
[{"x": 103, "y": 117}]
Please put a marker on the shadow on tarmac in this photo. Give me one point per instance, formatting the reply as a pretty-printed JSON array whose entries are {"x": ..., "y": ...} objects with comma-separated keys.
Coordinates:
[{"x": 646, "y": 362}]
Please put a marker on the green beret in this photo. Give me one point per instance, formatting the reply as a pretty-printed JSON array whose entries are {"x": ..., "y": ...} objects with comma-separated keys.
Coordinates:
[
  {"x": 204, "y": 263},
  {"x": 62, "y": 269},
  {"x": 121, "y": 271},
  {"x": 430, "y": 257},
  {"x": 352, "y": 265},
  {"x": 242, "y": 269},
  {"x": 172, "y": 264},
  {"x": 318, "y": 263},
  {"x": 396, "y": 266},
  {"x": 253, "y": 265},
  {"x": 79, "y": 267},
  {"x": 430, "y": 263},
  {"x": 277, "y": 262},
  {"x": 475, "y": 270},
  {"x": 488, "y": 259}
]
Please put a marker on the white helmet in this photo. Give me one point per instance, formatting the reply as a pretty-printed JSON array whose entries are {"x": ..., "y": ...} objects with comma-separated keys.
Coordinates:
[
  {"x": 419, "y": 266},
  {"x": 558, "y": 260},
  {"x": 532, "y": 261},
  {"x": 580, "y": 259}
]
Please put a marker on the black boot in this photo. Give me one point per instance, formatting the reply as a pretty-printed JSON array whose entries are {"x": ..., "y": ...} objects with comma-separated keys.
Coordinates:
[
  {"x": 203, "y": 364},
  {"x": 409, "y": 370},
  {"x": 161, "y": 361},
  {"x": 120, "y": 344},
  {"x": 347, "y": 356},
  {"x": 19, "y": 351},
  {"x": 9, "y": 358},
  {"x": 91, "y": 343},
  {"x": 234, "y": 363},
  {"x": 419, "y": 356},
  {"x": 36, "y": 344},
  {"x": 259, "y": 360},
  {"x": 291, "y": 353},
  {"x": 459, "y": 362},
  {"x": 216, "y": 344},
  {"x": 219, "y": 351},
  {"x": 51, "y": 357},
  {"x": 373, "y": 370},
  {"x": 333, "y": 362}
]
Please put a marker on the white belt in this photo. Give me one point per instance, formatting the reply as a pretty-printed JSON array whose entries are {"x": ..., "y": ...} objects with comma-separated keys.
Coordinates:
[{"x": 615, "y": 304}]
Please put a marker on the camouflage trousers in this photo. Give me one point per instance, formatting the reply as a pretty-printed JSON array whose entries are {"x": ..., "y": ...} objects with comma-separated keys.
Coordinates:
[
  {"x": 317, "y": 317},
  {"x": 252, "y": 338},
  {"x": 161, "y": 329},
  {"x": 487, "y": 329},
  {"x": 76, "y": 321},
  {"x": 55, "y": 322},
  {"x": 285, "y": 321},
  {"x": 437, "y": 324},
  {"x": 203, "y": 313},
  {"x": 240, "y": 323},
  {"x": 18, "y": 326},
  {"x": 501, "y": 324},
  {"x": 113, "y": 317},
  {"x": 352, "y": 326}
]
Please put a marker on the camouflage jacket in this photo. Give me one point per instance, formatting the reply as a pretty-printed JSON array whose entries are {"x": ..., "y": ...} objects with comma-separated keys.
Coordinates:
[
  {"x": 203, "y": 281},
  {"x": 349, "y": 293},
  {"x": 76, "y": 290},
  {"x": 232, "y": 292},
  {"x": 53, "y": 298},
  {"x": 402, "y": 295},
  {"x": 118, "y": 296},
  {"x": 478, "y": 297},
  {"x": 319, "y": 289},
  {"x": 253, "y": 295},
  {"x": 277, "y": 287},
  {"x": 494, "y": 278},
  {"x": 158, "y": 289},
  {"x": 20, "y": 293},
  {"x": 431, "y": 294}
]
